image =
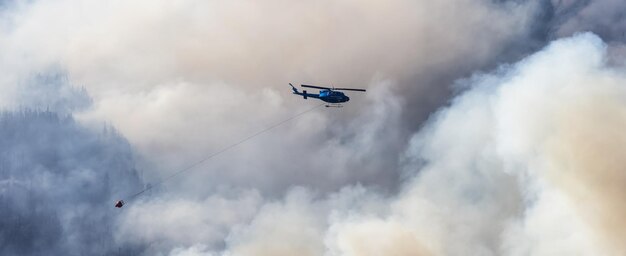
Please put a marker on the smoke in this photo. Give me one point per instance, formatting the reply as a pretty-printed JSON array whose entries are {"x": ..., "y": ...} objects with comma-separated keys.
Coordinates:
[
  {"x": 181, "y": 80},
  {"x": 525, "y": 162},
  {"x": 502, "y": 136},
  {"x": 452, "y": 151},
  {"x": 58, "y": 181},
  {"x": 603, "y": 17}
]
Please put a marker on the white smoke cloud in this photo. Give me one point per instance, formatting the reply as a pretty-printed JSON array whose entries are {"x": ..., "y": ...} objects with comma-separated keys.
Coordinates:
[
  {"x": 511, "y": 154},
  {"x": 525, "y": 162},
  {"x": 183, "y": 79},
  {"x": 173, "y": 222}
]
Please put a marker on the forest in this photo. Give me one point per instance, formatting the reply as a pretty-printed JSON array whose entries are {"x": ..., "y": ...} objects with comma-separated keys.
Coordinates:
[{"x": 58, "y": 183}]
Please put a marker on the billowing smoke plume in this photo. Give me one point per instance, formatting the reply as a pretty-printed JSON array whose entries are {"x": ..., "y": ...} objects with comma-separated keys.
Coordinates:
[
  {"x": 184, "y": 79},
  {"x": 527, "y": 162},
  {"x": 523, "y": 160}
]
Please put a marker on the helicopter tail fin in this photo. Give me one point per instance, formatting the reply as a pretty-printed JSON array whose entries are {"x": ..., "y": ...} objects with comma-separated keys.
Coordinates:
[{"x": 295, "y": 91}]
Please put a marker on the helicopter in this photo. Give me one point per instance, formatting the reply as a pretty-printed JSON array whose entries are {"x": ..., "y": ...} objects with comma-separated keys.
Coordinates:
[{"x": 327, "y": 94}]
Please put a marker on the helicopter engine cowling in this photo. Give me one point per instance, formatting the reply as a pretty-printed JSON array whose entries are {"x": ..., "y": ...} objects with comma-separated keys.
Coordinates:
[{"x": 304, "y": 94}]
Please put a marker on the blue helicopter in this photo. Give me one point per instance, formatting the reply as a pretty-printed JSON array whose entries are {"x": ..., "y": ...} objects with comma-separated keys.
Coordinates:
[{"x": 326, "y": 94}]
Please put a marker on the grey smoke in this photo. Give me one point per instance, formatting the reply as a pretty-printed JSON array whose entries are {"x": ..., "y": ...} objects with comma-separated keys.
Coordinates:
[
  {"x": 58, "y": 179},
  {"x": 181, "y": 80},
  {"x": 51, "y": 90}
]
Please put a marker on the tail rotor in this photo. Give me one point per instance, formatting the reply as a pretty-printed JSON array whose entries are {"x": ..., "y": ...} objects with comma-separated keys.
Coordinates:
[{"x": 295, "y": 91}]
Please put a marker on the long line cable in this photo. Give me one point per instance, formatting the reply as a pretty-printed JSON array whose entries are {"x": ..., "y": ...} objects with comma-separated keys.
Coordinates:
[{"x": 224, "y": 150}]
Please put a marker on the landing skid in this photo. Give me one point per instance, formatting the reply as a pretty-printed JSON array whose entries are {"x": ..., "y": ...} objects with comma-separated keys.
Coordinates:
[{"x": 334, "y": 105}]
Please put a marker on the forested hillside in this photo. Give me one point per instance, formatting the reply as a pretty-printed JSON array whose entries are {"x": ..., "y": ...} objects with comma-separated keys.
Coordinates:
[{"x": 58, "y": 184}]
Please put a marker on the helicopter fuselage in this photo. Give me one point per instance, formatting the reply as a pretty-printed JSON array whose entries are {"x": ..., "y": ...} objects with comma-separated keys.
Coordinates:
[
  {"x": 333, "y": 96},
  {"x": 326, "y": 96}
]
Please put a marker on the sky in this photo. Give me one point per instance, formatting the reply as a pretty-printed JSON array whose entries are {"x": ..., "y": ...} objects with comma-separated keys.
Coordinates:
[{"x": 488, "y": 127}]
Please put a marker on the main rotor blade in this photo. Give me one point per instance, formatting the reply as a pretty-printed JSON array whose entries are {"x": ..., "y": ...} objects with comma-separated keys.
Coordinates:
[
  {"x": 316, "y": 87},
  {"x": 349, "y": 89}
]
